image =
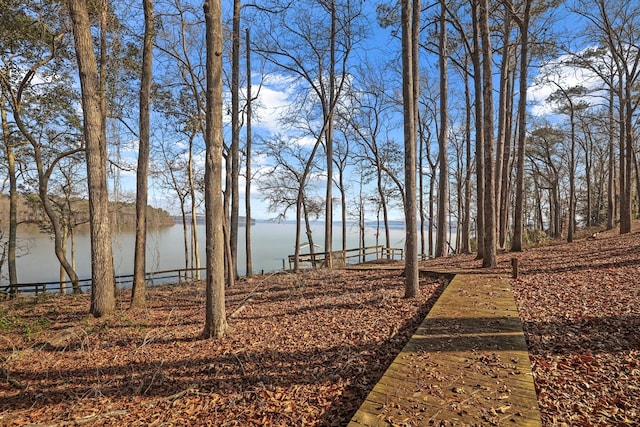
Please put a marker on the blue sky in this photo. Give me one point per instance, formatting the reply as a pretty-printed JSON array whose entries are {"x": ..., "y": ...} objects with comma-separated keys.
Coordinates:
[{"x": 277, "y": 94}]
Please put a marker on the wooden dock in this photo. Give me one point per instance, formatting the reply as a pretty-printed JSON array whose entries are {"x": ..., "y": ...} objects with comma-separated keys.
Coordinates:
[{"x": 466, "y": 365}]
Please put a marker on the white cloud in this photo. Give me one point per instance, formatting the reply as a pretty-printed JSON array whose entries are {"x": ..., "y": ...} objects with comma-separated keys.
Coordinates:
[
  {"x": 274, "y": 98},
  {"x": 561, "y": 72},
  {"x": 272, "y": 104}
]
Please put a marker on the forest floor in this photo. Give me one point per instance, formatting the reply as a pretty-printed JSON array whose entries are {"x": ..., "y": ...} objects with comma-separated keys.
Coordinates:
[{"x": 306, "y": 349}]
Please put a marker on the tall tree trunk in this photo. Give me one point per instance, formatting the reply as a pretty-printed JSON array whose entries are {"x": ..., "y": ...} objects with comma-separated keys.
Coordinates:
[
  {"x": 636, "y": 168},
  {"x": 13, "y": 200},
  {"x": 343, "y": 214},
  {"x": 361, "y": 218},
  {"x": 611, "y": 182},
  {"x": 235, "y": 139},
  {"x": 557, "y": 210},
  {"x": 102, "y": 270},
  {"x": 518, "y": 213},
  {"x": 489, "y": 255},
  {"x": 409, "y": 14},
  {"x": 626, "y": 156},
  {"x": 138, "y": 295},
  {"x": 62, "y": 274},
  {"x": 443, "y": 178},
  {"x": 588, "y": 164},
  {"x": 572, "y": 178},
  {"x": 503, "y": 122},
  {"x": 247, "y": 194},
  {"x": 432, "y": 192},
  {"x": 328, "y": 229},
  {"x": 383, "y": 205},
  {"x": 227, "y": 196},
  {"x": 185, "y": 237},
  {"x": 195, "y": 248},
  {"x": 421, "y": 209},
  {"x": 465, "y": 241},
  {"x": 300, "y": 201},
  {"x": 507, "y": 167},
  {"x": 479, "y": 152},
  {"x": 215, "y": 315}
]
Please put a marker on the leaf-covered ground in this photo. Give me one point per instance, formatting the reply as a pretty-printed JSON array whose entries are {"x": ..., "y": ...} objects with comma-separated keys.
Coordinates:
[
  {"x": 303, "y": 350},
  {"x": 306, "y": 349},
  {"x": 580, "y": 304}
]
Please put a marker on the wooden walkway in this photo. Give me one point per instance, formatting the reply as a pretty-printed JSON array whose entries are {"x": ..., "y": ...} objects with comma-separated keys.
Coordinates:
[{"x": 466, "y": 365}]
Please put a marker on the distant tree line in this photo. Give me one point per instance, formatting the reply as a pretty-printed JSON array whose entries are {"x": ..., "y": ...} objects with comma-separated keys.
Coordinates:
[{"x": 76, "y": 212}]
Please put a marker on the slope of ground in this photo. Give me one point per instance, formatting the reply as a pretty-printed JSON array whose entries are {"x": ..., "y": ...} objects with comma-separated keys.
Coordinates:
[
  {"x": 303, "y": 350},
  {"x": 306, "y": 349},
  {"x": 580, "y": 305}
]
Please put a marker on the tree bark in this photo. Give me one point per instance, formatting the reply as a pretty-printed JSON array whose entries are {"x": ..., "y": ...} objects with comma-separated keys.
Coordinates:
[
  {"x": 13, "y": 200},
  {"x": 138, "y": 293},
  {"x": 102, "y": 270},
  {"x": 465, "y": 241},
  {"x": 409, "y": 14},
  {"x": 247, "y": 194},
  {"x": 215, "y": 314},
  {"x": 489, "y": 255},
  {"x": 329, "y": 114},
  {"x": 235, "y": 139},
  {"x": 479, "y": 152},
  {"x": 611, "y": 182},
  {"x": 518, "y": 213},
  {"x": 503, "y": 122},
  {"x": 443, "y": 178}
]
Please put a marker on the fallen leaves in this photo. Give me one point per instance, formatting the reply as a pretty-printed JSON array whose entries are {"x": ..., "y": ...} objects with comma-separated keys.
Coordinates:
[
  {"x": 582, "y": 323},
  {"x": 303, "y": 350},
  {"x": 307, "y": 349},
  {"x": 580, "y": 306}
]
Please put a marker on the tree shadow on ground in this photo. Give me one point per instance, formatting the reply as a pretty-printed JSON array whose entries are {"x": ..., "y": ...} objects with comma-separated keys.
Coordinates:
[{"x": 149, "y": 369}]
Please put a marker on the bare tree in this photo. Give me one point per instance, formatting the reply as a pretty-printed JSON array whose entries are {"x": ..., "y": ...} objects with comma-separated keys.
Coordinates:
[
  {"x": 370, "y": 121},
  {"x": 183, "y": 94},
  {"x": 174, "y": 174},
  {"x": 523, "y": 24},
  {"x": 248, "y": 152},
  {"x": 410, "y": 18},
  {"x": 617, "y": 25},
  {"x": 102, "y": 270},
  {"x": 138, "y": 295},
  {"x": 489, "y": 254},
  {"x": 287, "y": 185},
  {"x": 479, "y": 128},
  {"x": 300, "y": 42},
  {"x": 546, "y": 160},
  {"x": 234, "y": 148},
  {"x": 9, "y": 145},
  {"x": 568, "y": 102},
  {"x": 443, "y": 179},
  {"x": 215, "y": 316}
]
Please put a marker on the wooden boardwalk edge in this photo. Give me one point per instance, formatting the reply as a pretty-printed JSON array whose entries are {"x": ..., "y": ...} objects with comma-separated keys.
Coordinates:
[{"x": 466, "y": 364}]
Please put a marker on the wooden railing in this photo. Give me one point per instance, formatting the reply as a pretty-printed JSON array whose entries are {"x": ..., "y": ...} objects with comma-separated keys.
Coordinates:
[
  {"x": 315, "y": 260},
  {"x": 121, "y": 281},
  {"x": 348, "y": 256}
]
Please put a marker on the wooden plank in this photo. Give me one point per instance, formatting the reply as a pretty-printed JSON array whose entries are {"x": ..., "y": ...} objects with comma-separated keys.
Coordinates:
[{"x": 466, "y": 364}]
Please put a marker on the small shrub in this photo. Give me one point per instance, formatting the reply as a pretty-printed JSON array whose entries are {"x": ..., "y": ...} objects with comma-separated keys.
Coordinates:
[
  {"x": 7, "y": 322},
  {"x": 534, "y": 236},
  {"x": 31, "y": 329}
]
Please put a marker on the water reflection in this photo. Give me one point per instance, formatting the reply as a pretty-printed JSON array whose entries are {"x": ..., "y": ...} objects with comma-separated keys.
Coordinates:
[{"x": 272, "y": 242}]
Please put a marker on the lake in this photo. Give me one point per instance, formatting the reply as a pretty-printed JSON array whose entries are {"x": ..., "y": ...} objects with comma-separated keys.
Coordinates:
[{"x": 271, "y": 243}]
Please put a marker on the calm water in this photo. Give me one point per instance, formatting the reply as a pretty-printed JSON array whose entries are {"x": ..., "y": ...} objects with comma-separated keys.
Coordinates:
[{"x": 272, "y": 242}]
